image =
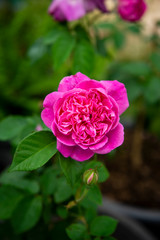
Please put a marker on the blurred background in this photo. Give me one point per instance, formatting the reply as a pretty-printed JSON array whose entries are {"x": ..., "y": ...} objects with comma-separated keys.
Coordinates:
[{"x": 32, "y": 65}]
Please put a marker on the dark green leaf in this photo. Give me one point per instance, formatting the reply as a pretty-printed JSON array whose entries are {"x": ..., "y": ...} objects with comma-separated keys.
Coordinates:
[
  {"x": 62, "y": 48},
  {"x": 103, "y": 226},
  {"x": 49, "y": 181},
  {"x": 109, "y": 238},
  {"x": 119, "y": 39},
  {"x": 9, "y": 198},
  {"x": 83, "y": 57},
  {"x": 17, "y": 180},
  {"x": 101, "y": 48},
  {"x": 11, "y": 127},
  {"x": 136, "y": 68},
  {"x": 47, "y": 209},
  {"x": 90, "y": 214},
  {"x": 134, "y": 89},
  {"x": 34, "y": 151},
  {"x": 71, "y": 169},
  {"x": 27, "y": 214},
  {"x": 134, "y": 28},
  {"x": 155, "y": 58},
  {"x": 76, "y": 231},
  {"x": 52, "y": 36},
  {"x": 62, "y": 211},
  {"x": 94, "y": 194},
  {"x": 105, "y": 25},
  {"x": 37, "y": 50},
  {"x": 63, "y": 191},
  {"x": 152, "y": 92}
]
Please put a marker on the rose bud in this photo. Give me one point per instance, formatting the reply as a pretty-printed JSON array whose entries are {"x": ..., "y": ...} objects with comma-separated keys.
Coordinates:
[
  {"x": 131, "y": 10},
  {"x": 90, "y": 177}
]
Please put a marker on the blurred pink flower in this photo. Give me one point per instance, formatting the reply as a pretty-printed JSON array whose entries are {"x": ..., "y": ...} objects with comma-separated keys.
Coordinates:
[
  {"x": 84, "y": 116},
  {"x": 69, "y": 10},
  {"x": 131, "y": 10}
]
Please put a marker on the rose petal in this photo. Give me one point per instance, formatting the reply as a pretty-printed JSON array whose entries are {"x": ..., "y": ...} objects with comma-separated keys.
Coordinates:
[
  {"x": 81, "y": 155},
  {"x": 65, "y": 139},
  {"x": 64, "y": 150},
  {"x": 118, "y": 91},
  {"x": 100, "y": 144},
  {"x": 73, "y": 10},
  {"x": 51, "y": 98},
  {"x": 55, "y": 11},
  {"x": 92, "y": 4},
  {"x": 115, "y": 139},
  {"x": 88, "y": 84},
  {"x": 70, "y": 82},
  {"x": 47, "y": 116}
]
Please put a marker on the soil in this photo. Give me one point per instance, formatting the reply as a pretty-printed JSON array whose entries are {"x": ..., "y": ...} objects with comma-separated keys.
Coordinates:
[{"x": 134, "y": 186}]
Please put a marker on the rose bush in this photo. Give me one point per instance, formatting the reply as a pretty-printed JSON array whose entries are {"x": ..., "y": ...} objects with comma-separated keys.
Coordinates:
[
  {"x": 131, "y": 10},
  {"x": 84, "y": 116},
  {"x": 71, "y": 10}
]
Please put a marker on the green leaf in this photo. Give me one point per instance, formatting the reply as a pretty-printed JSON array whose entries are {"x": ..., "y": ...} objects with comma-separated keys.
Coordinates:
[
  {"x": 76, "y": 231},
  {"x": 11, "y": 127},
  {"x": 52, "y": 36},
  {"x": 105, "y": 25},
  {"x": 109, "y": 238},
  {"x": 118, "y": 38},
  {"x": 47, "y": 209},
  {"x": 27, "y": 214},
  {"x": 37, "y": 50},
  {"x": 152, "y": 91},
  {"x": 90, "y": 214},
  {"x": 13, "y": 179},
  {"x": 62, "y": 48},
  {"x": 71, "y": 169},
  {"x": 103, "y": 173},
  {"x": 94, "y": 194},
  {"x": 63, "y": 191},
  {"x": 34, "y": 151},
  {"x": 101, "y": 46},
  {"x": 134, "y": 28},
  {"x": 83, "y": 57},
  {"x": 9, "y": 198},
  {"x": 155, "y": 58},
  {"x": 16, "y": 180},
  {"x": 134, "y": 89},
  {"x": 136, "y": 68},
  {"x": 62, "y": 211},
  {"x": 103, "y": 226},
  {"x": 48, "y": 181}
]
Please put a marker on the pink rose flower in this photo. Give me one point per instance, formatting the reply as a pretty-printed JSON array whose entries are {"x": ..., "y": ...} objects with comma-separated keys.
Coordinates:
[
  {"x": 70, "y": 10},
  {"x": 131, "y": 10},
  {"x": 84, "y": 116}
]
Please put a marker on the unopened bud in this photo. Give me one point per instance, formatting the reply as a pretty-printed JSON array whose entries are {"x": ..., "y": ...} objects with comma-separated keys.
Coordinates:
[{"x": 90, "y": 177}]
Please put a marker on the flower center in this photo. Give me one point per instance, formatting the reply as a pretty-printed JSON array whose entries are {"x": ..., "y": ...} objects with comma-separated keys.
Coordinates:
[{"x": 87, "y": 115}]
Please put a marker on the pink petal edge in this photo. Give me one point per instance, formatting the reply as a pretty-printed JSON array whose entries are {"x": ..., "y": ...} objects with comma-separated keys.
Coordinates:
[
  {"x": 74, "y": 152},
  {"x": 51, "y": 98},
  {"x": 64, "y": 150},
  {"x": 47, "y": 116},
  {"x": 118, "y": 91},
  {"x": 115, "y": 139},
  {"x": 70, "y": 82},
  {"x": 65, "y": 139},
  {"x": 81, "y": 155}
]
